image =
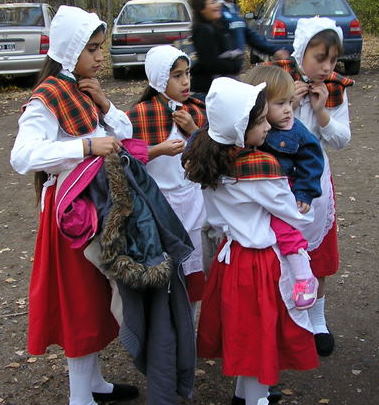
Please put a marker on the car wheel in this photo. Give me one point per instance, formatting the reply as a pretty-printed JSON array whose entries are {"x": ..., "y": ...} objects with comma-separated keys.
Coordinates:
[
  {"x": 352, "y": 67},
  {"x": 254, "y": 59},
  {"x": 119, "y": 73}
]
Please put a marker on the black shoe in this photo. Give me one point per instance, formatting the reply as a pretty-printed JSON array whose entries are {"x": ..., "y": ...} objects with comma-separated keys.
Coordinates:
[
  {"x": 238, "y": 401},
  {"x": 324, "y": 343},
  {"x": 274, "y": 394},
  {"x": 120, "y": 392}
]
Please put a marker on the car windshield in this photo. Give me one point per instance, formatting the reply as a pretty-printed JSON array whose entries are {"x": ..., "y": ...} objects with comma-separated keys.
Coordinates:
[
  {"x": 153, "y": 13},
  {"x": 307, "y": 8},
  {"x": 21, "y": 16}
]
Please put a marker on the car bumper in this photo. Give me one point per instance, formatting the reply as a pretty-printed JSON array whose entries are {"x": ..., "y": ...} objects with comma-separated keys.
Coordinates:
[
  {"x": 21, "y": 65},
  {"x": 123, "y": 57}
]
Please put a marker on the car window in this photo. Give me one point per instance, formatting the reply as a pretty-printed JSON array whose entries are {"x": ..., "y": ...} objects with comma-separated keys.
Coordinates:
[
  {"x": 301, "y": 8},
  {"x": 153, "y": 13},
  {"x": 23, "y": 16}
]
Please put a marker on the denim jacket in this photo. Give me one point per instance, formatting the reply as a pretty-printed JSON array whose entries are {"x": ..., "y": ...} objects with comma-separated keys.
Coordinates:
[{"x": 300, "y": 156}]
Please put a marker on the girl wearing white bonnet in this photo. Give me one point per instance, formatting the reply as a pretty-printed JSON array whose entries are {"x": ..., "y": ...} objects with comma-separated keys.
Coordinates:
[
  {"x": 245, "y": 317},
  {"x": 322, "y": 105},
  {"x": 164, "y": 117},
  {"x": 70, "y": 299}
]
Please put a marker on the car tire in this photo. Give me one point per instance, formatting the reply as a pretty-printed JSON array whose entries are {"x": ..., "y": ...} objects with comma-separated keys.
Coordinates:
[
  {"x": 119, "y": 73},
  {"x": 352, "y": 67}
]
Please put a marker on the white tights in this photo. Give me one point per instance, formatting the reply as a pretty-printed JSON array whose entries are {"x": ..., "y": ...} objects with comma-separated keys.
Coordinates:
[
  {"x": 85, "y": 377},
  {"x": 251, "y": 390}
]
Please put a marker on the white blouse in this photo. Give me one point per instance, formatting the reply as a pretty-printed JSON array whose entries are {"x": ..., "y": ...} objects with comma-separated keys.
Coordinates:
[
  {"x": 243, "y": 210},
  {"x": 41, "y": 144}
]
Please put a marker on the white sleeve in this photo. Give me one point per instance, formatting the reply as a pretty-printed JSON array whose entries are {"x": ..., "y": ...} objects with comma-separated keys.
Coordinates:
[
  {"x": 37, "y": 147},
  {"x": 336, "y": 133},
  {"x": 118, "y": 123},
  {"x": 276, "y": 197}
]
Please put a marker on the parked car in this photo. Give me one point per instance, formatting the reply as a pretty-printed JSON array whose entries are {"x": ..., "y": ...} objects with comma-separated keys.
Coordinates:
[
  {"x": 24, "y": 37},
  {"x": 276, "y": 20},
  {"x": 143, "y": 24}
]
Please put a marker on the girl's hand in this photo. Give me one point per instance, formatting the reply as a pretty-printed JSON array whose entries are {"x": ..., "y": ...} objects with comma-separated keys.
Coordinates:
[
  {"x": 93, "y": 89},
  {"x": 102, "y": 146},
  {"x": 301, "y": 90},
  {"x": 303, "y": 207},
  {"x": 170, "y": 147},
  {"x": 318, "y": 94},
  {"x": 184, "y": 120}
]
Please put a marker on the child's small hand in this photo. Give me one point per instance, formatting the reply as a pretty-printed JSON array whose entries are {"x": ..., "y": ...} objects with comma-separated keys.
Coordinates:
[
  {"x": 301, "y": 90},
  {"x": 303, "y": 207},
  {"x": 318, "y": 93},
  {"x": 184, "y": 120},
  {"x": 93, "y": 88},
  {"x": 102, "y": 146}
]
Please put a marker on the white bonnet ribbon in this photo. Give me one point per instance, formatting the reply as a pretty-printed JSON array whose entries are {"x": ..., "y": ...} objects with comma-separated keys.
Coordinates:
[
  {"x": 49, "y": 182},
  {"x": 224, "y": 254}
]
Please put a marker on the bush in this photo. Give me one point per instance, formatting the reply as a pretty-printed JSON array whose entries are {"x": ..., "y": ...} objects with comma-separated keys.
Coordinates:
[{"x": 368, "y": 14}]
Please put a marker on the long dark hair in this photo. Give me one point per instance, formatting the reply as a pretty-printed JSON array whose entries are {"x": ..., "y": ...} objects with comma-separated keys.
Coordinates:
[
  {"x": 51, "y": 68},
  {"x": 206, "y": 160},
  {"x": 197, "y": 7},
  {"x": 149, "y": 92}
]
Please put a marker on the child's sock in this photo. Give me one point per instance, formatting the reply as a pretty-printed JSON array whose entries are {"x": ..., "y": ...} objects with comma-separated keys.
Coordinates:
[
  {"x": 255, "y": 392},
  {"x": 98, "y": 384},
  {"x": 80, "y": 371},
  {"x": 240, "y": 389},
  {"x": 300, "y": 265},
  {"x": 317, "y": 316}
]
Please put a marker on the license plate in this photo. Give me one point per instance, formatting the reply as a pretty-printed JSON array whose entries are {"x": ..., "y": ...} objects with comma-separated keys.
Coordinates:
[
  {"x": 7, "y": 46},
  {"x": 141, "y": 57}
]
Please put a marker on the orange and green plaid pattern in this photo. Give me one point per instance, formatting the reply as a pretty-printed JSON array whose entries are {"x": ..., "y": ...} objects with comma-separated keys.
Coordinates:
[
  {"x": 75, "y": 111},
  {"x": 256, "y": 165},
  {"x": 152, "y": 119},
  {"x": 335, "y": 83}
]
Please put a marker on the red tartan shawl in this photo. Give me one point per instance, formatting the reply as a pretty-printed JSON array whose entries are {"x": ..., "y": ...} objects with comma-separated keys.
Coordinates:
[
  {"x": 256, "y": 165},
  {"x": 335, "y": 83},
  {"x": 75, "y": 111},
  {"x": 152, "y": 119}
]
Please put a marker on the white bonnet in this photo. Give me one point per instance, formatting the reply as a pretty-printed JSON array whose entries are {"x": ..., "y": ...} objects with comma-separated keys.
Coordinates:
[
  {"x": 306, "y": 29},
  {"x": 70, "y": 30},
  {"x": 158, "y": 63},
  {"x": 228, "y": 106}
]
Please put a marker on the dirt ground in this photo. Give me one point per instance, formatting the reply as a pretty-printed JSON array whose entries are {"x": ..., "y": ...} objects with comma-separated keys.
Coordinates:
[{"x": 349, "y": 377}]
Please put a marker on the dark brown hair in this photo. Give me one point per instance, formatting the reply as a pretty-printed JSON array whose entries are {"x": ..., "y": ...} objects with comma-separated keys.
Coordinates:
[
  {"x": 329, "y": 38},
  {"x": 206, "y": 160}
]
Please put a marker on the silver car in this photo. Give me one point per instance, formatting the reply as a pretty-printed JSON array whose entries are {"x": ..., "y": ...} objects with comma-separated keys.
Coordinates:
[
  {"x": 143, "y": 24},
  {"x": 24, "y": 37}
]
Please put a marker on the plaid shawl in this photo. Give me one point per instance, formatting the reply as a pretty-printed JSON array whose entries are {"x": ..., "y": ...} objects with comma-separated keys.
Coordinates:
[
  {"x": 335, "y": 83},
  {"x": 152, "y": 119},
  {"x": 256, "y": 165},
  {"x": 75, "y": 111}
]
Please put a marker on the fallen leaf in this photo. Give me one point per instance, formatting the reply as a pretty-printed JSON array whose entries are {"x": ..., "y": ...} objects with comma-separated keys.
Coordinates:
[
  {"x": 20, "y": 352},
  {"x": 13, "y": 365},
  {"x": 4, "y": 250},
  {"x": 324, "y": 401},
  {"x": 10, "y": 280},
  {"x": 287, "y": 391},
  {"x": 356, "y": 372},
  {"x": 31, "y": 360},
  {"x": 199, "y": 372},
  {"x": 52, "y": 356},
  {"x": 211, "y": 362}
]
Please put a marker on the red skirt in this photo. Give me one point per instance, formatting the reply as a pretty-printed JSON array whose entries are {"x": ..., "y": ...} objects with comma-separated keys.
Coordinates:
[
  {"x": 244, "y": 321},
  {"x": 69, "y": 299},
  {"x": 325, "y": 259}
]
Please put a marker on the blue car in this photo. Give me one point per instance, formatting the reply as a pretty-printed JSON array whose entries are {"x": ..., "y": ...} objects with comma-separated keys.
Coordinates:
[{"x": 276, "y": 20}]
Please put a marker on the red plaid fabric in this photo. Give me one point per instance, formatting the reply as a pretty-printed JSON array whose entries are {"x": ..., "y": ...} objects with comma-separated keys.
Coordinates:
[
  {"x": 335, "y": 83},
  {"x": 76, "y": 112},
  {"x": 152, "y": 119},
  {"x": 256, "y": 165}
]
